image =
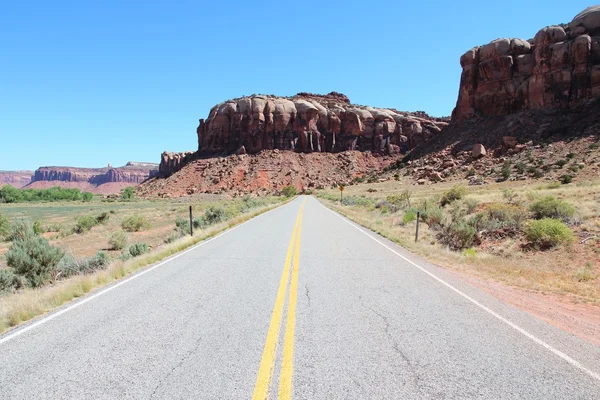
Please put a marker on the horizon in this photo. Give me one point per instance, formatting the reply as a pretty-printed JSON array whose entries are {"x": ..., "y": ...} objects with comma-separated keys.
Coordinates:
[{"x": 88, "y": 85}]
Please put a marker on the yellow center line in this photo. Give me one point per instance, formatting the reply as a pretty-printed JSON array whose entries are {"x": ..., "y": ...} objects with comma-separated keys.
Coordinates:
[
  {"x": 267, "y": 362},
  {"x": 287, "y": 366}
]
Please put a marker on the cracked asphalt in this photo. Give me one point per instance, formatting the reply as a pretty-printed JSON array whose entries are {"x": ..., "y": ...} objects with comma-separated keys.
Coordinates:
[{"x": 369, "y": 325}]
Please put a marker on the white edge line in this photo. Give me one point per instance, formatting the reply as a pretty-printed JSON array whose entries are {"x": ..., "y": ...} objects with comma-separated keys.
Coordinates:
[
  {"x": 50, "y": 317},
  {"x": 557, "y": 352}
]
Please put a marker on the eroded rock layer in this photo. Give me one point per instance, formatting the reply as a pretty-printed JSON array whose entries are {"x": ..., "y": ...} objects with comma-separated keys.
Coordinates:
[
  {"x": 132, "y": 173},
  {"x": 310, "y": 123},
  {"x": 558, "y": 68}
]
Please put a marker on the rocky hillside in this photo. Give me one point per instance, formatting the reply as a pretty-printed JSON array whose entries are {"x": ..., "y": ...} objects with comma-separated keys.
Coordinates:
[
  {"x": 310, "y": 123},
  {"x": 522, "y": 100},
  {"x": 264, "y": 173},
  {"x": 98, "y": 180},
  {"x": 17, "y": 179}
]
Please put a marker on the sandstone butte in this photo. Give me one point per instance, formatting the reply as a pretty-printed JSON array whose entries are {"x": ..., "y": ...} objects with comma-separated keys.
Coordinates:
[
  {"x": 510, "y": 89},
  {"x": 558, "y": 68}
]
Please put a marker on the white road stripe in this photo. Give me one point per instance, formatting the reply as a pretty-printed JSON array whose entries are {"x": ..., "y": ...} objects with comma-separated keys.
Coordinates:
[
  {"x": 559, "y": 353},
  {"x": 20, "y": 331}
]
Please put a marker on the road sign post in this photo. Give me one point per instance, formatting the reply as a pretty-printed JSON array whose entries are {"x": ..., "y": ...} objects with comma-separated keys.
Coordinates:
[
  {"x": 191, "y": 223},
  {"x": 417, "y": 232},
  {"x": 341, "y": 191}
]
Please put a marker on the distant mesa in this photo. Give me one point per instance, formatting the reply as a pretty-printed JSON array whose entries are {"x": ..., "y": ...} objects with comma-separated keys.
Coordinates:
[{"x": 16, "y": 179}]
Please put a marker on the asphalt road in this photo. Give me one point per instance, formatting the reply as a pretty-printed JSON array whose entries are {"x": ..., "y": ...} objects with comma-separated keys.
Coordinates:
[{"x": 296, "y": 303}]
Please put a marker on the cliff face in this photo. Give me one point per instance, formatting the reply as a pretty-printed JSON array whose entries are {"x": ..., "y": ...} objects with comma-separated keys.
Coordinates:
[
  {"x": 558, "y": 68},
  {"x": 310, "y": 123},
  {"x": 132, "y": 173},
  {"x": 17, "y": 179}
]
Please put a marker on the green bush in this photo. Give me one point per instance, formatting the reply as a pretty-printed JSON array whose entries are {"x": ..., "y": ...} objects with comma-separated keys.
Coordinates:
[
  {"x": 128, "y": 193},
  {"x": 409, "y": 216},
  {"x": 213, "y": 215},
  {"x": 173, "y": 236},
  {"x": 103, "y": 218},
  {"x": 433, "y": 216},
  {"x": 521, "y": 167},
  {"x": 138, "y": 249},
  {"x": 551, "y": 207},
  {"x": 9, "y": 194},
  {"x": 506, "y": 169},
  {"x": 566, "y": 179},
  {"x": 4, "y": 227},
  {"x": 87, "y": 196},
  {"x": 38, "y": 229},
  {"x": 135, "y": 223},
  {"x": 356, "y": 201},
  {"x": 85, "y": 223},
  {"x": 9, "y": 281},
  {"x": 561, "y": 163},
  {"x": 289, "y": 191},
  {"x": 183, "y": 224},
  {"x": 69, "y": 266},
  {"x": 456, "y": 193},
  {"x": 504, "y": 216},
  {"x": 21, "y": 229},
  {"x": 470, "y": 205},
  {"x": 548, "y": 232},
  {"x": 458, "y": 235},
  {"x": 118, "y": 240},
  {"x": 35, "y": 259}
]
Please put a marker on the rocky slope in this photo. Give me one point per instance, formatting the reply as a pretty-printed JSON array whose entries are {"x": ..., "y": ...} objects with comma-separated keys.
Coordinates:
[
  {"x": 98, "y": 180},
  {"x": 17, "y": 179},
  {"x": 264, "y": 173},
  {"x": 310, "y": 123}
]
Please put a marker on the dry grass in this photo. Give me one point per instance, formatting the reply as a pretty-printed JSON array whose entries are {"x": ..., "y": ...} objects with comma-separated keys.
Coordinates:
[
  {"x": 29, "y": 303},
  {"x": 572, "y": 270}
]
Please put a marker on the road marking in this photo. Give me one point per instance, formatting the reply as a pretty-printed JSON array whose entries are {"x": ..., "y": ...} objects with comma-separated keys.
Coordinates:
[
  {"x": 267, "y": 362},
  {"x": 557, "y": 352},
  {"x": 50, "y": 317},
  {"x": 287, "y": 365}
]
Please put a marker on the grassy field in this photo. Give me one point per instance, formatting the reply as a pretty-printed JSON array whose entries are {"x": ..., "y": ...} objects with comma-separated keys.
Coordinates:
[
  {"x": 159, "y": 233},
  {"x": 504, "y": 255}
]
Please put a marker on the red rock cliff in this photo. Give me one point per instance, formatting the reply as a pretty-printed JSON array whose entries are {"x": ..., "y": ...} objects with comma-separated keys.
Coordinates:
[
  {"x": 558, "y": 68},
  {"x": 310, "y": 123},
  {"x": 133, "y": 173}
]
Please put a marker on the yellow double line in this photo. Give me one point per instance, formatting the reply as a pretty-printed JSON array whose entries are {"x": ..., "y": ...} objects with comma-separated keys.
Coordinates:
[{"x": 267, "y": 363}]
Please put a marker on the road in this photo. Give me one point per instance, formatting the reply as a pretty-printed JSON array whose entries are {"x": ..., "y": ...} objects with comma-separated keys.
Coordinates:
[{"x": 296, "y": 303}]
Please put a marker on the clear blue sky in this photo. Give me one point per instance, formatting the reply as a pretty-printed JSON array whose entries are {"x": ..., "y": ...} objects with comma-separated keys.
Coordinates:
[{"x": 85, "y": 83}]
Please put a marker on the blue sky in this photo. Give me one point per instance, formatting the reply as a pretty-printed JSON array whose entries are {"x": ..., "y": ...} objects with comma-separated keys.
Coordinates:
[{"x": 86, "y": 83}]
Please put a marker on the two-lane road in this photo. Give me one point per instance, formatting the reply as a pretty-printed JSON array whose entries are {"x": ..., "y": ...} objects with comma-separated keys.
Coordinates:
[{"x": 296, "y": 303}]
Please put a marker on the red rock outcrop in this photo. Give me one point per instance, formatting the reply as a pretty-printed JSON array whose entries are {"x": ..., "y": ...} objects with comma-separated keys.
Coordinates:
[
  {"x": 558, "y": 68},
  {"x": 17, "y": 179},
  {"x": 132, "y": 173},
  {"x": 310, "y": 123},
  {"x": 172, "y": 162}
]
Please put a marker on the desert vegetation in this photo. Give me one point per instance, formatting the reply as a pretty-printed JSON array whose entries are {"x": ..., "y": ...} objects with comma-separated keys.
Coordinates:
[
  {"x": 544, "y": 237},
  {"x": 9, "y": 194},
  {"x": 51, "y": 253}
]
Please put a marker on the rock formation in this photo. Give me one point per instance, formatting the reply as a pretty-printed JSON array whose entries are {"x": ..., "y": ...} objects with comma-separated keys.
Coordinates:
[
  {"x": 172, "y": 162},
  {"x": 132, "y": 173},
  {"x": 17, "y": 179},
  {"x": 310, "y": 123},
  {"x": 558, "y": 68}
]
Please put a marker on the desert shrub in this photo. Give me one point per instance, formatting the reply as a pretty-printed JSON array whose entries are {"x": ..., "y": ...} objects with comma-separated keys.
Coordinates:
[
  {"x": 9, "y": 281},
  {"x": 69, "y": 266},
  {"x": 103, "y": 218},
  {"x": 85, "y": 223},
  {"x": 433, "y": 216},
  {"x": 38, "y": 229},
  {"x": 35, "y": 259},
  {"x": 458, "y": 235},
  {"x": 520, "y": 167},
  {"x": 400, "y": 200},
  {"x": 548, "y": 232},
  {"x": 585, "y": 274},
  {"x": 553, "y": 185},
  {"x": 506, "y": 169},
  {"x": 566, "y": 179},
  {"x": 172, "y": 237},
  {"x": 118, "y": 240},
  {"x": 289, "y": 191},
  {"x": 470, "y": 252},
  {"x": 356, "y": 201},
  {"x": 510, "y": 196},
  {"x": 183, "y": 224},
  {"x": 9, "y": 194},
  {"x": 125, "y": 255},
  {"x": 135, "y": 223},
  {"x": 138, "y": 249},
  {"x": 456, "y": 193},
  {"x": 470, "y": 205},
  {"x": 128, "y": 194},
  {"x": 570, "y": 156},
  {"x": 551, "y": 207},
  {"x": 87, "y": 196},
  {"x": 409, "y": 216},
  {"x": 561, "y": 163},
  {"x": 21, "y": 229},
  {"x": 213, "y": 215},
  {"x": 4, "y": 227},
  {"x": 501, "y": 216}
]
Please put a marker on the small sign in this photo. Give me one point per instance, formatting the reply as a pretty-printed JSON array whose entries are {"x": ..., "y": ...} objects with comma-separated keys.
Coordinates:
[{"x": 341, "y": 188}]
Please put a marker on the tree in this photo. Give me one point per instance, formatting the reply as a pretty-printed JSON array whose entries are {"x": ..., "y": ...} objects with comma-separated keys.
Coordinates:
[{"x": 128, "y": 193}]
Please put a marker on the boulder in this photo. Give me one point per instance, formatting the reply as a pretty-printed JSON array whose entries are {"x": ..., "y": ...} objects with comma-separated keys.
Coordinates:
[{"x": 478, "y": 151}]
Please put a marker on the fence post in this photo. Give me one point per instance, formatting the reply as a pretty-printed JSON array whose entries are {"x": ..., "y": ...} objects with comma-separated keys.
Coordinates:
[
  {"x": 191, "y": 223},
  {"x": 417, "y": 232}
]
